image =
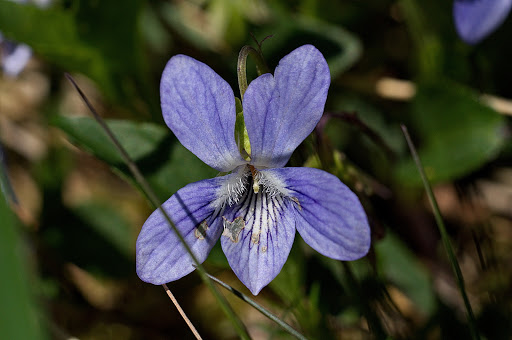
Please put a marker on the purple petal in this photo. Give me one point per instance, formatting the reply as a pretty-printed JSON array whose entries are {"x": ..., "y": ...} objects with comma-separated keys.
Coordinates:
[
  {"x": 329, "y": 216},
  {"x": 14, "y": 57},
  {"x": 281, "y": 111},
  {"x": 199, "y": 108},
  {"x": 258, "y": 252},
  {"x": 476, "y": 19},
  {"x": 161, "y": 257}
]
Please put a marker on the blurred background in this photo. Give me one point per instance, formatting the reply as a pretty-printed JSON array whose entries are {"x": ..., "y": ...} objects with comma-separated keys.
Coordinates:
[{"x": 71, "y": 211}]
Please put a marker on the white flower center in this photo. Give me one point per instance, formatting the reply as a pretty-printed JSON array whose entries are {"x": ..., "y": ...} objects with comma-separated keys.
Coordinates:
[{"x": 242, "y": 179}]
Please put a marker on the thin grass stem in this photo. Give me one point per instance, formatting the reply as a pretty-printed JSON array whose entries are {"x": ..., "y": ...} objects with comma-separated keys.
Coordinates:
[
  {"x": 237, "y": 323},
  {"x": 444, "y": 236},
  {"x": 260, "y": 308},
  {"x": 182, "y": 313}
]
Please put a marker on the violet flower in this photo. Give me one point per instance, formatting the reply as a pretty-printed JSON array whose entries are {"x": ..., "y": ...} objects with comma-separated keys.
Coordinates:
[
  {"x": 476, "y": 19},
  {"x": 15, "y": 56},
  {"x": 255, "y": 209}
]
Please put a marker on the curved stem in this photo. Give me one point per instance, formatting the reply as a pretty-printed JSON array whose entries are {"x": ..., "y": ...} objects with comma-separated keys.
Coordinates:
[{"x": 261, "y": 66}]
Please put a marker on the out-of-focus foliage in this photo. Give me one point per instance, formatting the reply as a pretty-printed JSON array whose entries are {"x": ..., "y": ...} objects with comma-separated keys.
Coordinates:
[
  {"x": 18, "y": 311},
  {"x": 391, "y": 62},
  {"x": 448, "y": 114}
]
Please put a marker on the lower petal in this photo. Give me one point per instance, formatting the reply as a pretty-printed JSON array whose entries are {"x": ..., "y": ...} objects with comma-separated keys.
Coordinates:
[
  {"x": 329, "y": 216},
  {"x": 161, "y": 257},
  {"x": 258, "y": 236}
]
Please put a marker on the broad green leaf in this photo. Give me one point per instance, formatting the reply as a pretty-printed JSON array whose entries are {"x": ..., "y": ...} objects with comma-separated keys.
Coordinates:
[
  {"x": 138, "y": 139},
  {"x": 18, "y": 317},
  {"x": 404, "y": 270},
  {"x": 167, "y": 165},
  {"x": 459, "y": 133}
]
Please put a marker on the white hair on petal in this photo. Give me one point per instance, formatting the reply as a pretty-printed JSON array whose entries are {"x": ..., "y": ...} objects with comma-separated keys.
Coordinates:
[
  {"x": 272, "y": 184},
  {"x": 236, "y": 184},
  {"x": 233, "y": 188}
]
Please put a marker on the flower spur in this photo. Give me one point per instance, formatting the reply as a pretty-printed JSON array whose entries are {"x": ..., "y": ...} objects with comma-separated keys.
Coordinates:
[{"x": 256, "y": 208}]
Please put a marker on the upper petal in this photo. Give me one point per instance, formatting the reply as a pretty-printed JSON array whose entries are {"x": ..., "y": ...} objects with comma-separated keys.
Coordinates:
[
  {"x": 280, "y": 111},
  {"x": 161, "y": 257},
  {"x": 476, "y": 19},
  {"x": 258, "y": 236},
  {"x": 329, "y": 216},
  {"x": 199, "y": 108}
]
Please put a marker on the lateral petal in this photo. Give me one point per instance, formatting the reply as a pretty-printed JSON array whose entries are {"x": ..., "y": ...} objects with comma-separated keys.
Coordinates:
[
  {"x": 476, "y": 19},
  {"x": 258, "y": 236},
  {"x": 329, "y": 216},
  {"x": 280, "y": 111},
  {"x": 199, "y": 108},
  {"x": 160, "y": 256}
]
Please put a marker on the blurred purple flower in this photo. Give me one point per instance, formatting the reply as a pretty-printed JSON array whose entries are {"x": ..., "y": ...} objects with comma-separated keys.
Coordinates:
[
  {"x": 15, "y": 56},
  {"x": 257, "y": 207},
  {"x": 476, "y": 19}
]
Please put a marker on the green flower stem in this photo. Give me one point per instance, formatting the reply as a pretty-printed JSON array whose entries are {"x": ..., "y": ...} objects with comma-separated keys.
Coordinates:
[
  {"x": 444, "y": 236},
  {"x": 261, "y": 309},
  {"x": 261, "y": 66},
  {"x": 237, "y": 323}
]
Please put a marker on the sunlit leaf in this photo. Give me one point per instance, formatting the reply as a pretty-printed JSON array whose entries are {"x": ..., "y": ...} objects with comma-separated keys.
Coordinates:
[
  {"x": 138, "y": 139},
  {"x": 459, "y": 133},
  {"x": 167, "y": 165}
]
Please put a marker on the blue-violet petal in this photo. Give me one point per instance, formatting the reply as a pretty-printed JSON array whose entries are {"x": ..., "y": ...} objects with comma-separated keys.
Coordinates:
[
  {"x": 476, "y": 19},
  {"x": 258, "y": 236},
  {"x": 161, "y": 257},
  {"x": 329, "y": 216},
  {"x": 280, "y": 111},
  {"x": 199, "y": 108}
]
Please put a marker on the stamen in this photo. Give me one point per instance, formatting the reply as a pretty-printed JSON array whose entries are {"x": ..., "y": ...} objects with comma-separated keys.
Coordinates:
[{"x": 255, "y": 178}]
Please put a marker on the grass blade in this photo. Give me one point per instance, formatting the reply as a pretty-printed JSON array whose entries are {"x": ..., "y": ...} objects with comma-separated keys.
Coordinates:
[
  {"x": 260, "y": 308},
  {"x": 444, "y": 236}
]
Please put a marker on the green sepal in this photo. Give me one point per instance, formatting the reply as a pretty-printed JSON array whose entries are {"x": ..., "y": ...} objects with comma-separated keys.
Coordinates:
[{"x": 241, "y": 136}]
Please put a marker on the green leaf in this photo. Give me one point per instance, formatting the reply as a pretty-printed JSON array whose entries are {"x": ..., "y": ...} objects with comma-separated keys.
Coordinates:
[
  {"x": 404, "y": 270},
  {"x": 18, "y": 318},
  {"x": 138, "y": 139},
  {"x": 459, "y": 133},
  {"x": 166, "y": 164}
]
